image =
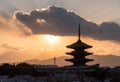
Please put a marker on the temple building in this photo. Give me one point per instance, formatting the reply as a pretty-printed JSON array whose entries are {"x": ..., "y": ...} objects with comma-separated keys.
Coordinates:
[{"x": 79, "y": 54}]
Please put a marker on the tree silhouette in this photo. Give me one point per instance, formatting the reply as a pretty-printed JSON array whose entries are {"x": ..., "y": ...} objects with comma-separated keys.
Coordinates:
[
  {"x": 24, "y": 68},
  {"x": 6, "y": 69}
]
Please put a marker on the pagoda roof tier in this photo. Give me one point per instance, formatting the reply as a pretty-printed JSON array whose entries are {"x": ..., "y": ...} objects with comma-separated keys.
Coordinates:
[
  {"x": 79, "y": 44},
  {"x": 79, "y": 60},
  {"x": 74, "y": 53}
]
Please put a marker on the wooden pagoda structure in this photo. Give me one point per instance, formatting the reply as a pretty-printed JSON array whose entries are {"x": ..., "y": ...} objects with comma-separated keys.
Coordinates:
[{"x": 79, "y": 52}]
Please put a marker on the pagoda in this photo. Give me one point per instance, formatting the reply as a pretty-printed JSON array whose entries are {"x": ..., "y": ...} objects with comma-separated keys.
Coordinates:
[{"x": 79, "y": 52}]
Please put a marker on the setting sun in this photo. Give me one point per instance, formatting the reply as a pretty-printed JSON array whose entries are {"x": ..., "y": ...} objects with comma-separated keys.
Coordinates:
[{"x": 51, "y": 39}]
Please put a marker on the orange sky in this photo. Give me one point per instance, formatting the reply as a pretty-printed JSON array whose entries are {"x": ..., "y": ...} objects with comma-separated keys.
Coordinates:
[
  {"x": 18, "y": 43},
  {"x": 19, "y": 47}
]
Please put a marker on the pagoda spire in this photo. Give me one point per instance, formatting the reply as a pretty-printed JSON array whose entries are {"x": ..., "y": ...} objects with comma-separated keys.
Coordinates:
[{"x": 79, "y": 32}]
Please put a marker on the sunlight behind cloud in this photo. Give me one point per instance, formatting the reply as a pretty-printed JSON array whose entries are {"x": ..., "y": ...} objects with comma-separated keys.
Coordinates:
[
  {"x": 51, "y": 39},
  {"x": 40, "y": 21}
]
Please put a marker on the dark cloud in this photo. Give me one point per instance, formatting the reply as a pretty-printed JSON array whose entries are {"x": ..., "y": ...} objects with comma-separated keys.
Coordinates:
[
  {"x": 10, "y": 47},
  {"x": 58, "y": 21},
  {"x": 116, "y": 20}
]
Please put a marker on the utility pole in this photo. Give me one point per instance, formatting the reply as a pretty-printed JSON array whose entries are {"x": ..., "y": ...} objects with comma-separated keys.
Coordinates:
[{"x": 54, "y": 60}]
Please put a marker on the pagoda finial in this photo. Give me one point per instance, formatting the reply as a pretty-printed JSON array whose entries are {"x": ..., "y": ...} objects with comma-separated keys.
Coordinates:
[{"x": 79, "y": 32}]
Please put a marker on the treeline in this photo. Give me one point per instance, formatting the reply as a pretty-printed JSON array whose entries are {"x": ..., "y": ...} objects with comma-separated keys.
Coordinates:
[{"x": 19, "y": 69}]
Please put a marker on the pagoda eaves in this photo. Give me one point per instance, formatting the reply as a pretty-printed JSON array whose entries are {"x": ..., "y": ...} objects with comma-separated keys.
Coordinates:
[{"x": 79, "y": 44}]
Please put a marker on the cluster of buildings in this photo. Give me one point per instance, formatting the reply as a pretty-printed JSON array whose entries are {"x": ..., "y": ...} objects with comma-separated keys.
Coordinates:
[
  {"x": 58, "y": 77},
  {"x": 22, "y": 78},
  {"x": 61, "y": 74}
]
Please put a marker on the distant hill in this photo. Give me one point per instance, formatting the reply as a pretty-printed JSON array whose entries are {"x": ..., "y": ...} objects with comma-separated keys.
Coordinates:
[{"x": 103, "y": 60}]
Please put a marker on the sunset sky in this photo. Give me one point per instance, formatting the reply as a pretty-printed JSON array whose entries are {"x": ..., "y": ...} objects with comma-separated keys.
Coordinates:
[{"x": 40, "y": 29}]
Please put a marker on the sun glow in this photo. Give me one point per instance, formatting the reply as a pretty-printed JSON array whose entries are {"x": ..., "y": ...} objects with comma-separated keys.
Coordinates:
[{"x": 52, "y": 39}]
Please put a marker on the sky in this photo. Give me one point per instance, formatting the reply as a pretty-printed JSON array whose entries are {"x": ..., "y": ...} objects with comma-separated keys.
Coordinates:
[{"x": 40, "y": 29}]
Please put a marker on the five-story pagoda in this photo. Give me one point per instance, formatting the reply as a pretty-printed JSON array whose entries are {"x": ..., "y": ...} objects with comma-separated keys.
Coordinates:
[{"x": 79, "y": 52}]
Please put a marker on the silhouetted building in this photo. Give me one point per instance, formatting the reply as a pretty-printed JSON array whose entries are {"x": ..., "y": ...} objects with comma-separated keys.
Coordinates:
[{"x": 79, "y": 52}]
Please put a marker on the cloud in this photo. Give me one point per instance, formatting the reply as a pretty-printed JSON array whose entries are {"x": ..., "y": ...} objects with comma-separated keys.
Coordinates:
[
  {"x": 10, "y": 47},
  {"x": 10, "y": 26},
  {"x": 116, "y": 20},
  {"x": 58, "y": 21}
]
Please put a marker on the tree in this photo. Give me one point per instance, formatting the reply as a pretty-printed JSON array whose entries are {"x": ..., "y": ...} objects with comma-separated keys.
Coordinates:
[{"x": 6, "y": 69}]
